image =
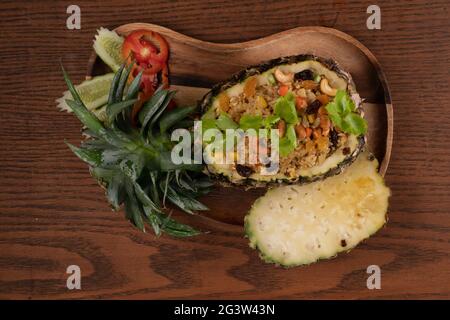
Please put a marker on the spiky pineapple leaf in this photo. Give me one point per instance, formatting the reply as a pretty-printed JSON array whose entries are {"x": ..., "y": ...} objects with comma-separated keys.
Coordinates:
[
  {"x": 133, "y": 212},
  {"x": 90, "y": 156},
  {"x": 122, "y": 83},
  {"x": 71, "y": 87},
  {"x": 114, "y": 191},
  {"x": 184, "y": 201},
  {"x": 114, "y": 85},
  {"x": 85, "y": 116},
  {"x": 162, "y": 108},
  {"x": 174, "y": 116},
  {"x": 112, "y": 110},
  {"x": 150, "y": 108},
  {"x": 144, "y": 198},
  {"x": 134, "y": 86},
  {"x": 135, "y": 165},
  {"x": 178, "y": 229},
  {"x": 153, "y": 219}
]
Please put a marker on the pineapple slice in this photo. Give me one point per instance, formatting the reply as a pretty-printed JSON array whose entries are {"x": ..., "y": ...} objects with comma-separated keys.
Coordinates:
[{"x": 298, "y": 225}]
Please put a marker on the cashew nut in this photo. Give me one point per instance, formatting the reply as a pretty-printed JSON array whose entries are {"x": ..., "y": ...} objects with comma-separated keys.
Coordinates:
[
  {"x": 325, "y": 88},
  {"x": 284, "y": 78}
]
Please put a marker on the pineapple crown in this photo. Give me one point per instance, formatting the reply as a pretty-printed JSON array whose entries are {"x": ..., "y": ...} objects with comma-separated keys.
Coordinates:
[{"x": 133, "y": 162}]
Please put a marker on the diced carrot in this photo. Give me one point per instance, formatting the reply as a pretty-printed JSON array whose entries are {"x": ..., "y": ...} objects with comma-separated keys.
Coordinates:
[
  {"x": 308, "y": 132},
  {"x": 300, "y": 103},
  {"x": 283, "y": 90}
]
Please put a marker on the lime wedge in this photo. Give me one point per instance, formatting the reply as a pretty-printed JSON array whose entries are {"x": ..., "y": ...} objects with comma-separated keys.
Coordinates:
[
  {"x": 93, "y": 92},
  {"x": 108, "y": 46}
]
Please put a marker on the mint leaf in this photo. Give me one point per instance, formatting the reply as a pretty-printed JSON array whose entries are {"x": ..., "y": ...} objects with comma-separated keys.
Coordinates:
[
  {"x": 290, "y": 134},
  {"x": 285, "y": 108},
  {"x": 208, "y": 124},
  {"x": 224, "y": 122},
  {"x": 350, "y": 104},
  {"x": 341, "y": 102},
  {"x": 336, "y": 119},
  {"x": 333, "y": 108},
  {"x": 288, "y": 143},
  {"x": 345, "y": 101},
  {"x": 269, "y": 121},
  {"x": 342, "y": 113},
  {"x": 353, "y": 123},
  {"x": 250, "y": 122},
  {"x": 286, "y": 146}
]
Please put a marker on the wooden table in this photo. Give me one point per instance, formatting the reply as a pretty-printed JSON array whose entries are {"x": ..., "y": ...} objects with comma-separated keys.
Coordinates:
[{"x": 54, "y": 215}]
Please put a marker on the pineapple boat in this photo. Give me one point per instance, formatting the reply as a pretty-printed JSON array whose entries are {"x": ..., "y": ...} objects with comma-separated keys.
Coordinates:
[{"x": 310, "y": 100}]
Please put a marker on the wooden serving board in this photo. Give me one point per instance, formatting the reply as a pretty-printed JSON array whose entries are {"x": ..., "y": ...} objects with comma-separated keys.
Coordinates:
[
  {"x": 197, "y": 65},
  {"x": 53, "y": 214}
]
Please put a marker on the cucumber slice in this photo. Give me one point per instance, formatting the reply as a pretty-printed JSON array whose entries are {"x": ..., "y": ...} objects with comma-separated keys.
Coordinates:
[
  {"x": 108, "y": 46},
  {"x": 297, "y": 225},
  {"x": 93, "y": 92}
]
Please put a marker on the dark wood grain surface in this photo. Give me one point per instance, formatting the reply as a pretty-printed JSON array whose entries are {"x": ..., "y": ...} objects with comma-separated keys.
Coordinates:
[{"x": 54, "y": 215}]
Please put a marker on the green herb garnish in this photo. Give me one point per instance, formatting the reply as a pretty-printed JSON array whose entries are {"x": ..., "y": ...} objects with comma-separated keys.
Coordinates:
[
  {"x": 208, "y": 124},
  {"x": 342, "y": 112},
  {"x": 248, "y": 121},
  {"x": 290, "y": 134},
  {"x": 285, "y": 108},
  {"x": 270, "y": 121},
  {"x": 289, "y": 142},
  {"x": 225, "y": 122}
]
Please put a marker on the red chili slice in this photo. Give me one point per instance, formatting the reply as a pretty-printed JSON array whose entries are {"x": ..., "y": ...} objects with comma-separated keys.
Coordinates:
[
  {"x": 148, "y": 48},
  {"x": 150, "y": 52}
]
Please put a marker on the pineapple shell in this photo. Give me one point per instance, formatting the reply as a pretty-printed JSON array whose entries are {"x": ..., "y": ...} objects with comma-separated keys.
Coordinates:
[{"x": 227, "y": 176}]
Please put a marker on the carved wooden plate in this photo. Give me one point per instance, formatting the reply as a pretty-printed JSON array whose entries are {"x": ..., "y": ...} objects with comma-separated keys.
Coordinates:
[{"x": 196, "y": 65}]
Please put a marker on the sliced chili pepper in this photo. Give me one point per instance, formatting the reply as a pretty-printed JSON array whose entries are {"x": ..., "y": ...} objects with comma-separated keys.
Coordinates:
[
  {"x": 300, "y": 103},
  {"x": 283, "y": 90},
  {"x": 150, "y": 51},
  {"x": 148, "y": 48},
  {"x": 165, "y": 76},
  {"x": 149, "y": 83}
]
